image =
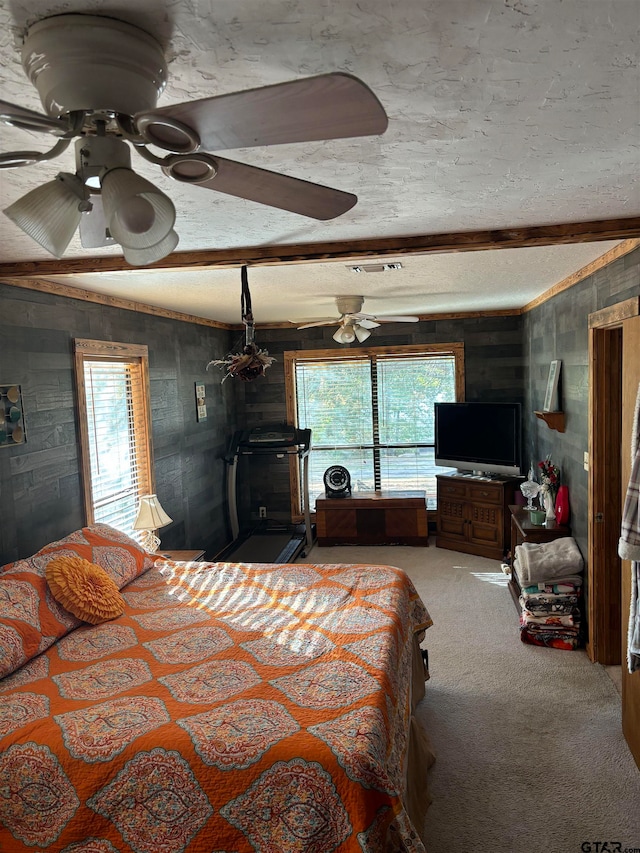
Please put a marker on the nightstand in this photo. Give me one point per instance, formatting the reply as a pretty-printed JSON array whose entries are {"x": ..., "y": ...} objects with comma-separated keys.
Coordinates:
[{"x": 181, "y": 556}]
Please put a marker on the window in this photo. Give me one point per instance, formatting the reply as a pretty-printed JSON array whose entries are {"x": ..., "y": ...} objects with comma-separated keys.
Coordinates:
[
  {"x": 372, "y": 411},
  {"x": 115, "y": 430}
]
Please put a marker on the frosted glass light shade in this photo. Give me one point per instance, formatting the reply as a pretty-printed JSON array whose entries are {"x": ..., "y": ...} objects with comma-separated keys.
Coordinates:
[
  {"x": 362, "y": 334},
  {"x": 150, "y": 515},
  {"x": 141, "y": 257},
  {"x": 345, "y": 335},
  {"x": 50, "y": 214},
  {"x": 138, "y": 215}
]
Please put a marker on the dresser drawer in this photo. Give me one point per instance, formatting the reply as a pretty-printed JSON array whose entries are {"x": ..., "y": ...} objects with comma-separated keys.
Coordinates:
[
  {"x": 452, "y": 490},
  {"x": 485, "y": 493}
]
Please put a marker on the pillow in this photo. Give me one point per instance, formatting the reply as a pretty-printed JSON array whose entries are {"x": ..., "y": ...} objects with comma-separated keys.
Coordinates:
[
  {"x": 85, "y": 589},
  {"x": 30, "y": 618},
  {"x": 120, "y": 556}
]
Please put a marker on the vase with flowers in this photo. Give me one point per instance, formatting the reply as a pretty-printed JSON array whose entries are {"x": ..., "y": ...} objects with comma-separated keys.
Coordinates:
[{"x": 549, "y": 481}]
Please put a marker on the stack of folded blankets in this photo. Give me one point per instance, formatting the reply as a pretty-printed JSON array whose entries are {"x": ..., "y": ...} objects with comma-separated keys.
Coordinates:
[{"x": 550, "y": 577}]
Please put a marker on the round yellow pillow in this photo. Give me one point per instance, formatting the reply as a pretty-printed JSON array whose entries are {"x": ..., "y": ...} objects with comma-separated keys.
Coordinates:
[{"x": 84, "y": 589}]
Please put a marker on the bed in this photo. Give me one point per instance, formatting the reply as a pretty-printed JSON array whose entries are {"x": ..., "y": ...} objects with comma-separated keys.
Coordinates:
[{"x": 231, "y": 707}]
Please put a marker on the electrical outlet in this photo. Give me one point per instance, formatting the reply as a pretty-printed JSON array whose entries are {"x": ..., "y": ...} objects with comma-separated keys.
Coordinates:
[
  {"x": 585, "y": 460},
  {"x": 262, "y": 511}
]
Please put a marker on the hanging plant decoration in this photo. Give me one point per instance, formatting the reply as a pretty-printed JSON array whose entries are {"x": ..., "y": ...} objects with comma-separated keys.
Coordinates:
[{"x": 251, "y": 362}]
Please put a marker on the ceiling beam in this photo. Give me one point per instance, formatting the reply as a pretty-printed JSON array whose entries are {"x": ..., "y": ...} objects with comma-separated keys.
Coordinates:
[{"x": 461, "y": 241}]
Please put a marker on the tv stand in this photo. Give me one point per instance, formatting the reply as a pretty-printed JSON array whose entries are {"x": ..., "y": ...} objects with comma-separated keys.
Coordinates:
[{"x": 473, "y": 515}]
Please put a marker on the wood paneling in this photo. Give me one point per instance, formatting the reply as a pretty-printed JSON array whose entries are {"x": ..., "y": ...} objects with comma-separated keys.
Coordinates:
[{"x": 599, "y": 263}]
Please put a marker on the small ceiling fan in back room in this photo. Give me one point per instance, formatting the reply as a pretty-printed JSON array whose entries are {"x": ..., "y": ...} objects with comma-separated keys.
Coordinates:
[
  {"x": 352, "y": 323},
  {"x": 99, "y": 79}
]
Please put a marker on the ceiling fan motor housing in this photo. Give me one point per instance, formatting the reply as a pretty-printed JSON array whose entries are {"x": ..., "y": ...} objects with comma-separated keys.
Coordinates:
[
  {"x": 349, "y": 304},
  {"x": 93, "y": 63}
]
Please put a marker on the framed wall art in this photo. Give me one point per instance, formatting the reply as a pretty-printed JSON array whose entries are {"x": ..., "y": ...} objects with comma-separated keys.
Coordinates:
[
  {"x": 201, "y": 405},
  {"x": 12, "y": 429},
  {"x": 551, "y": 398}
]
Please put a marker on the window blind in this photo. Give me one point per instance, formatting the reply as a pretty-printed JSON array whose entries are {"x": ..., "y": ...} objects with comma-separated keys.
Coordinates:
[
  {"x": 117, "y": 440},
  {"x": 374, "y": 415}
]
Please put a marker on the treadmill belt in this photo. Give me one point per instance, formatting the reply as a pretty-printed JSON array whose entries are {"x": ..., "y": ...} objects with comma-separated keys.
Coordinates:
[{"x": 264, "y": 548}]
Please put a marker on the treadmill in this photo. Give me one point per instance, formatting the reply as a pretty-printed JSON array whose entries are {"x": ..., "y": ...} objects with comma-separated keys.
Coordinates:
[{"x": 263, "y": 544}]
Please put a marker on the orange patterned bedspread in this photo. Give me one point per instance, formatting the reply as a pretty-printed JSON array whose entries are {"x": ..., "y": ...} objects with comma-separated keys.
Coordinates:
[{"x": 231, "y": 708}]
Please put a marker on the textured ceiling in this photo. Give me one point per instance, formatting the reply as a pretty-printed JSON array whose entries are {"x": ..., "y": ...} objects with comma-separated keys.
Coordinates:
[{"x": 502, "y": 114}]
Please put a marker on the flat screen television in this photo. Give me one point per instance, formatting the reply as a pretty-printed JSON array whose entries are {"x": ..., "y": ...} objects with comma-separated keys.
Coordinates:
[{"x": 481, "y": 437}]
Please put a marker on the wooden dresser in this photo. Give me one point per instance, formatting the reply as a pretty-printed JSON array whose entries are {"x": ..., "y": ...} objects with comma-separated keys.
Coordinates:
[
  {"x": 373, "y": 518},
  {"x": 473, "y": 514}
]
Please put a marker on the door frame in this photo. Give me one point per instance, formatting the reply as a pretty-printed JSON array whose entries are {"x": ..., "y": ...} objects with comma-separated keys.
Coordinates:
[{"x": 605, "y": 487}]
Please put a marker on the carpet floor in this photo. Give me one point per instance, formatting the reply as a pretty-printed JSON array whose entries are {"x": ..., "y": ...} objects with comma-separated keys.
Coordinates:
[{"x": 530, "y": 756}]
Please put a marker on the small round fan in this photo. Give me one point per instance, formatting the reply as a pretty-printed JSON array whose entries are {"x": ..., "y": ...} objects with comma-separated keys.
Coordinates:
[{"x": 337, "y": 482}]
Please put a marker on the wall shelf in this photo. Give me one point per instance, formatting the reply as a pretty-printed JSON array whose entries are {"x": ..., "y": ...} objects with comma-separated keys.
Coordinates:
[{"x": 554, "y": 420}]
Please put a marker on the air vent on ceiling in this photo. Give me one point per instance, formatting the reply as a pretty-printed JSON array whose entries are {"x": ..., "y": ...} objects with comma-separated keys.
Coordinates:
[{"x": 376, "y": 267}]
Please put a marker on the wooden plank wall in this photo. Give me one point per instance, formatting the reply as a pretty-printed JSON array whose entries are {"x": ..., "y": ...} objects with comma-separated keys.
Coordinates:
[
  {"x": 40, "y": 494},
  {"x": 559, "y": 328},
  {"x": 494, "y": 370}
]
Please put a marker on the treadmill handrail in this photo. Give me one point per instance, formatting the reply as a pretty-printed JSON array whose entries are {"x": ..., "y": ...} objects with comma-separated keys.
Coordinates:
[{"x": 241, "y": 446}]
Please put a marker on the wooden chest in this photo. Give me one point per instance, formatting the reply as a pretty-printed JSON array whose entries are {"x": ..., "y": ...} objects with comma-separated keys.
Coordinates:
[{"x": 373, "y": 518}]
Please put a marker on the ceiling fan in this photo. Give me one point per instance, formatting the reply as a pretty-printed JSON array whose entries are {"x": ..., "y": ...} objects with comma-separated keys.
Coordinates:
[
  {"x": 99, "y": 79},
  {"x": 352, "y": 323}
]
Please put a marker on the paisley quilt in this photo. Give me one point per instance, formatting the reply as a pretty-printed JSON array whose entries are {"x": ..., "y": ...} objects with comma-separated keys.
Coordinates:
[{"x": 233, "y": 707}]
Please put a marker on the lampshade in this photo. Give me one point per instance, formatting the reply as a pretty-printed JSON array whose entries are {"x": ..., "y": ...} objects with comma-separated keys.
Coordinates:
[
  {"x": 345, "y": 335},
  {"x": 138, "y": 215},
  {"x": 50, "y": 214},
  {"x": 150, "y": 516},
  {"x": 362, "y": 334},
  {"x": 141, "y": 257}
]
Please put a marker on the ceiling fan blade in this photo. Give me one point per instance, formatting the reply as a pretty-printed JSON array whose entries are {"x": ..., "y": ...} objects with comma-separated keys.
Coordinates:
[
  {"x": 265, "y": 187},
  {"x": 399, "y": 319},
  {"x": 368, "y": 324},
  {"x": 329, "y": 106},
  {"x": 17, "y": 116},
  {"x": 93, "y": 226},
  {"x": 327, "y": 321}
]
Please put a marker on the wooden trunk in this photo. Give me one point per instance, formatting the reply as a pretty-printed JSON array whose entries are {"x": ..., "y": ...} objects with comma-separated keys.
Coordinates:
[{"x": 373, "y": 518}]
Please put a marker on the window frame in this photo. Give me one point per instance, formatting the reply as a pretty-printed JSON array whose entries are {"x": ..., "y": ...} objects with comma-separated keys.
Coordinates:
[
  {"x": 113, "y": 351},
  {"x": 292, "y": 357}
]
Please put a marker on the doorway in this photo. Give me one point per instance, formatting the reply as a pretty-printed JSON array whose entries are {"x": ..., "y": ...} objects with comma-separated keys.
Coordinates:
[{"x": 614, "y": 376}]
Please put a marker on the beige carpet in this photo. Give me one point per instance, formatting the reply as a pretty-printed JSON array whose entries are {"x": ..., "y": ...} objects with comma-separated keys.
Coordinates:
[{"x": 530, "y": 756}]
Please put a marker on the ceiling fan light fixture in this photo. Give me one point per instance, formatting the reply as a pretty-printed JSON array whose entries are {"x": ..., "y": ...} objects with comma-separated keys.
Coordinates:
[
  {"x": 95, "y": 153},
  {"x": 138, "y": 215},
  {"x": 141, "y": 257},
  {"x": 362, "y": 334},
  {"x": 50, "y": 214},
  {"x": 345, "y": 335}
]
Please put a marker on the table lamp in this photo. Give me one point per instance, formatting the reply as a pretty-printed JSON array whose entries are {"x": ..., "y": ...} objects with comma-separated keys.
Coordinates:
[{"x": 150, "y": 517}]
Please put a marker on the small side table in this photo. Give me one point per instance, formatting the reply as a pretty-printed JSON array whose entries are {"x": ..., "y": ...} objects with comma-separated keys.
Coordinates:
[
  {"x": 522, "y": 530},
  {"x": 181, "y": 556}
]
